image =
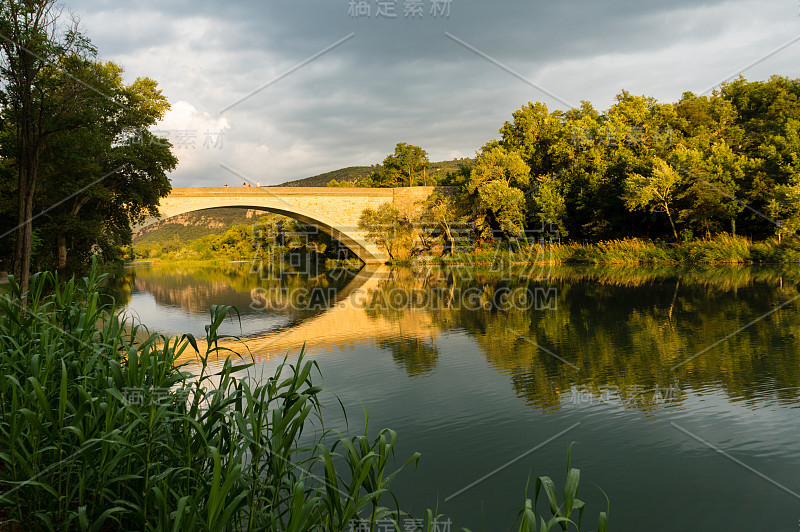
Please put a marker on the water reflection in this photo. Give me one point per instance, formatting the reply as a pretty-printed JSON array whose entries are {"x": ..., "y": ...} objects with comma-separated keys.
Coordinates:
[
  {"x": 626, "y": 331},
  {"x": 415, "y": 355},
  {"x": 175, "y": 299}
]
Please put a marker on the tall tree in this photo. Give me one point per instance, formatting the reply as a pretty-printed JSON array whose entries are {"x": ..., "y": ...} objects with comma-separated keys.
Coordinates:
[
  {"x": 440, "y": 213},
  {"x": 499, "y": 207},
  {"x": 768, "y": 112},
  {"x": 495, "y": 184},
  {"x": 713, "y": 177},
  {"x": 784, "y": 207},
  {"x": 387, "y": 228},
  {"x": 547, "y": 205},
  {"x": 36, "y": 44},
  {"x": 497, "y": 163}
]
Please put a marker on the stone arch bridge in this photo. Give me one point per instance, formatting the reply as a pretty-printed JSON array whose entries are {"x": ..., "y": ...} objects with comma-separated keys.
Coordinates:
[{"x": 332, "y": 210}]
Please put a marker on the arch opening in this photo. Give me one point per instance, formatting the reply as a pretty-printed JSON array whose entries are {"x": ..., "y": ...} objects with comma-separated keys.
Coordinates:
[{"x": 350, "y": 237}]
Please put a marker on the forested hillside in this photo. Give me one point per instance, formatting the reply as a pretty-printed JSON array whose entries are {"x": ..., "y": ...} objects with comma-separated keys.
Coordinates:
[
  {"x": 193, "y": 225},
  {"x": 353, "y": 174}
]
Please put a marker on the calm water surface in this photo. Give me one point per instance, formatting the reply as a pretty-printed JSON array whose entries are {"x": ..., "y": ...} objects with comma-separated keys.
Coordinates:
[{"x": 680, "y": 387}]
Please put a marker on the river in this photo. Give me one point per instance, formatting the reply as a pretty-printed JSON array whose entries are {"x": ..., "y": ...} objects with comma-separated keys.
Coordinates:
[{"x": 679, "y": 386}]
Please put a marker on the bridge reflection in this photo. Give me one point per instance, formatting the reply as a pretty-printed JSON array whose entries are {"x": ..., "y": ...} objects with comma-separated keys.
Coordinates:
[{"x": 344, "y": 322}]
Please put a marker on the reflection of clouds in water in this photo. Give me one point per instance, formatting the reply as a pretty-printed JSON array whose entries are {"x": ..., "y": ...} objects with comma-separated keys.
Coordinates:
[{"x": 173, "y": 320}]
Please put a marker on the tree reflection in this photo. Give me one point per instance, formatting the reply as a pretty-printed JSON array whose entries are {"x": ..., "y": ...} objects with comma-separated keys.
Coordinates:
[
  {"x": 414, "y": 355},
  {"x": 632, "y": 333}
]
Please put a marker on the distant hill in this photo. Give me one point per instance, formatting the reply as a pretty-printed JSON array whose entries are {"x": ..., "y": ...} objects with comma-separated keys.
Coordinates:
[
  {"x": 352, "y": 174},
  {"x": 441, "y": 168}
]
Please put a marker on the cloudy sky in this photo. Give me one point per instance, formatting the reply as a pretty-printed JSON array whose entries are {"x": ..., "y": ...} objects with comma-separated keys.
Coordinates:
[{"x": 340, "y": 87}]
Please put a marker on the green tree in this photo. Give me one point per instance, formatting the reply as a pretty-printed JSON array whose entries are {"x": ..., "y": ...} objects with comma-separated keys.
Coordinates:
[
  {"x": 408, "y": 162},
  {"x": 500, "y": 207},
  {"x": 112, "y": 174},
  {"x": 623, "y": 141},
  {"x": 402, "y": 168},
  {"x": 709, "y": 201},
  {"x": 655, "y": 191},
  {"x": 768, "y": 115},
  {"x": 784, "y": 207},
  {"x": 387, "y": 228},
  {"x": 440, "y": 212},
  {"x": 547, "y": 204},
  {"x": 498, "y": 163},
  {"x": 493, "y": 185},
  {"x": 533, "y": 132},
  {"x": 37, "y": 45},
  {"x": 581, "y": 158}
]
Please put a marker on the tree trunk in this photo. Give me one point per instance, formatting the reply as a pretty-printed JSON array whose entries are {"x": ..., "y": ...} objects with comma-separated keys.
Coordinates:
[
  {"x": 669, "y": 215},
  {"x": 31, "y": 28},
  {"x": 61, "y": 256},
  {"x": 61, "y": 238},
  {"x": 24, "y": 245},
  {"x": 449, "y": 249}
]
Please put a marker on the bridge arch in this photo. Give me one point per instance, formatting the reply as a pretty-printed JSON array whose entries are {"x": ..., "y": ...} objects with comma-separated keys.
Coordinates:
[{"x": 334, "y": 211}]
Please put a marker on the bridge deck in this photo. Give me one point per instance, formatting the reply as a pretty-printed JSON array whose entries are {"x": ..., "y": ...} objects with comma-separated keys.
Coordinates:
[{"x": 284, "y": 191}]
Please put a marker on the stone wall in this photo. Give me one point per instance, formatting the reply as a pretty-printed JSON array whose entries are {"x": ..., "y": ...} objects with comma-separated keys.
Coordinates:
[{"x": 408, "y": 200}]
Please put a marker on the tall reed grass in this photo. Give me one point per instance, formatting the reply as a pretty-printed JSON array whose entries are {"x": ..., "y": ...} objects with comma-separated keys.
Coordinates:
[{"x": 721, "y": 249}]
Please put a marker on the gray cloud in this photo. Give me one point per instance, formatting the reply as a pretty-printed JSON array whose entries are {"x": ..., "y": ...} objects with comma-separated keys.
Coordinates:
[{"x": 403, "y": 80}]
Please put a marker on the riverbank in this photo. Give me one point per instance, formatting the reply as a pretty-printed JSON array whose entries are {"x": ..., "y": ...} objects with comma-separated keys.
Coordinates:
[
  {"x": 352, "y": 264},
  {"x": 722, "y": 249},
  {"x": 177, "y": 262}
]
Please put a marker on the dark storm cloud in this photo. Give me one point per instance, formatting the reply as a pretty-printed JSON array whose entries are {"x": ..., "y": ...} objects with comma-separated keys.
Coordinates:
[{"x": 405, "y": 80}]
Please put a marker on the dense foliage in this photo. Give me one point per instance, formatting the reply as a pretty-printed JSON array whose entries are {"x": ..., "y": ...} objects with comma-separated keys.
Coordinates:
[{"x": 705, "y": 165}]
